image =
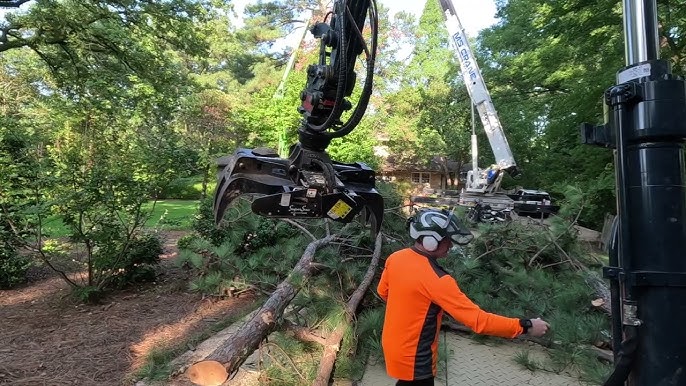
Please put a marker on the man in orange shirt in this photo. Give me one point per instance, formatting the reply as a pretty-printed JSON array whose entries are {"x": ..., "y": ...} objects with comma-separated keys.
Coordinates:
[{"x": 417, "y": 290}]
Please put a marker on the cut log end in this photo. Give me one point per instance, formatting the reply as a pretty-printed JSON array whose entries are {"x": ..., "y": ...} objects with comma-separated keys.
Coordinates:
[
  {"x": 598, "y": 302},
  {"x": 207, "y": 373}
]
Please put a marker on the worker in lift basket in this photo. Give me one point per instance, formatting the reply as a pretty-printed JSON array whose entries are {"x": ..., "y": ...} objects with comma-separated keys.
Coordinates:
[
  {"x": 417, "y": 290},
  {"x": 492, "y": 174}
]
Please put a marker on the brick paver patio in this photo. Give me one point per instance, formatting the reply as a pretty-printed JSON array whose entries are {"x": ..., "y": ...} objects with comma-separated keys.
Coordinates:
[{"x": 474, "y": 364}]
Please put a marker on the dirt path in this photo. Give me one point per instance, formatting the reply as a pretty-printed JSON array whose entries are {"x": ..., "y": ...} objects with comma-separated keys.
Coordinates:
[{"x": 48, "y": 339}]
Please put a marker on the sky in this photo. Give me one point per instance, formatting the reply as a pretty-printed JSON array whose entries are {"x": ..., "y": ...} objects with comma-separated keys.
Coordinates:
[{"x": 474, "y": 15}]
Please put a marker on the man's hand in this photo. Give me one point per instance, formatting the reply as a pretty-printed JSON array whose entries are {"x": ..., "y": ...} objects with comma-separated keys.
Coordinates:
[{"x": 538, "y": 327}]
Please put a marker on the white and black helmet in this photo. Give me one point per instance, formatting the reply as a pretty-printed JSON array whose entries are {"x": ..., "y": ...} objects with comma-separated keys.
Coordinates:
[{"x": 438, "y": 224}]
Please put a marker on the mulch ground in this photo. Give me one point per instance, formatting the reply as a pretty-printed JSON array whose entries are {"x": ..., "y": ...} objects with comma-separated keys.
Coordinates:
[{"x": 48, "y": 338}]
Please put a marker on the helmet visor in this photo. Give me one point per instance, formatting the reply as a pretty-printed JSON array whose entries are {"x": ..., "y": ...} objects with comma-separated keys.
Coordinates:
[
  {"x": 459, "y": 234},
  {"x": 462, "y": 239}
]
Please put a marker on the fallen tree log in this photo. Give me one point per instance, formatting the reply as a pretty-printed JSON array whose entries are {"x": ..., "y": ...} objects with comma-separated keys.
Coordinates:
[
  {"x": 332, "y": 344},
  {"x": 601, "y": 289},
  {"x": 225, "y": 359}
]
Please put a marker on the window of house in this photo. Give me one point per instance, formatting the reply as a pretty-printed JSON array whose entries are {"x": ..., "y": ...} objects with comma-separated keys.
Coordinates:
[{"x": 420, "y": 178}]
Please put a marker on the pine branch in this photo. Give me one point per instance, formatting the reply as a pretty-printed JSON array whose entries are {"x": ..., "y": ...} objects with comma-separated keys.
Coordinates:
[
  {"x": 333, "y": 341},
  {"x": 302, "y": 333},
  {"x": 302, "y": 228},
  {"x": 226, "y": 358},
  {"x": 554, "y": 240},
  {"x": 498, "y": 249}
]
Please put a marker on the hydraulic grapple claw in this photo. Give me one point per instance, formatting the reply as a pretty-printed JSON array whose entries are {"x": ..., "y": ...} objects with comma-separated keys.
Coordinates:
[
  {"x": 244, "y": 173},
  {"x": 286, "y": 191}
]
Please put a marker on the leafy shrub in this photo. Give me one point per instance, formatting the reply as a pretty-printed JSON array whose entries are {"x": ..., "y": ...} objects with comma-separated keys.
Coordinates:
[
  {"x": 12, "y": 267},
  {"x": 181, "y": 189},
  {"x": 144, "y": 249},
  {"x": 87, "y": 293},
  {"x": 186, "y": 188},
  {"x": 204, "y": 225},
  {"x": 185, "y": 241},
  {"x": 18, "y": 167},
  {"x": 131, "y": 262}
]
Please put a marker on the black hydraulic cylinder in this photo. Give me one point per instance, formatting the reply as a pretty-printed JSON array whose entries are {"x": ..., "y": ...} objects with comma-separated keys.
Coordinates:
[
  {"x": 646, "y": 124},
  {"x": 657, "y": 249}
]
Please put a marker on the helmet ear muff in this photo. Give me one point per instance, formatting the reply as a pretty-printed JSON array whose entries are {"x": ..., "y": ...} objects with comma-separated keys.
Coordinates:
[{"x": 429, "y": 243}]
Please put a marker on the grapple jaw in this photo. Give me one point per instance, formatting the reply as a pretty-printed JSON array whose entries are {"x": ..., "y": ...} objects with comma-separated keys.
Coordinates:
[{"x": 318, "y": 188}]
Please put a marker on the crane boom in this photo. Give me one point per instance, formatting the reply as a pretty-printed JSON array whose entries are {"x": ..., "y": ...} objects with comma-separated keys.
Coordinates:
[
  {"x": 483, "y": 185},
  {"x": 481, "y": 98}
]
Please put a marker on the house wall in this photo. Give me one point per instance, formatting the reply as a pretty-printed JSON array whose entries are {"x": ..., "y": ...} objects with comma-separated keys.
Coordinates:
[{"x": 406, "y": 176}]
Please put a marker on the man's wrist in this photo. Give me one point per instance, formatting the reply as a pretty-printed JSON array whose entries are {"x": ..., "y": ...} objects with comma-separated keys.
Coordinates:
[{"x": 525, "y": 324}]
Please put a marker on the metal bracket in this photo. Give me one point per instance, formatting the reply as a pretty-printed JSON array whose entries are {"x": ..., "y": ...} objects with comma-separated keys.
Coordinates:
[
  {"x": 657, "y": 279},
  {"x": 646, "y": 278},
  {"x": 621, "y": 94},
  {"x": 612, "y": 273},
  {"x": 597, "y": 135}
]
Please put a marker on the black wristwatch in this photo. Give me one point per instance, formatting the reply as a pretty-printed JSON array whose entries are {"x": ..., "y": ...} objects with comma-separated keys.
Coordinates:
[{"x": 525, "y": 323}]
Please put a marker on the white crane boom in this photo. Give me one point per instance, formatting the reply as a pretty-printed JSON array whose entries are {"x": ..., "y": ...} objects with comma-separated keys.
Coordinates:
[{"x": 479, "y": 180}]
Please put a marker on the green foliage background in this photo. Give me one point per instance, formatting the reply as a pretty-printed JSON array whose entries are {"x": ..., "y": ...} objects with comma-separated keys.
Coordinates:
[{"x": 107, "y": 105}]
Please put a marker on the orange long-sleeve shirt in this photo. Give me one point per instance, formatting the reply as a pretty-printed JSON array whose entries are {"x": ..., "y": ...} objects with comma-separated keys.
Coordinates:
[{"x": 417, "y": 291}]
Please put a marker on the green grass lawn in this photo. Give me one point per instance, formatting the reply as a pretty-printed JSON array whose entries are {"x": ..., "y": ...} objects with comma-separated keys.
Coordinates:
[
  {"x": 54, "y": 227},
  {"x": 166, "y": 214},
  {"x": 171, "y": 214}
]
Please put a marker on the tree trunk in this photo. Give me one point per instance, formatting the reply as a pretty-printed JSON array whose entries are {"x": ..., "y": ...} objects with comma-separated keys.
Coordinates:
[
  {"x": 215, "y": 369},
  {"x": 333, "y": 342},
  {"x": 205, "y": 181},
  {"x": 209, "y": 168}
]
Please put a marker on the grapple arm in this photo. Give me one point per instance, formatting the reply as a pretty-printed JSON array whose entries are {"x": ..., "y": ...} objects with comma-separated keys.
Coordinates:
[
  {"x": 308, "y": 184},
  {"x": 307, "y": 194}
]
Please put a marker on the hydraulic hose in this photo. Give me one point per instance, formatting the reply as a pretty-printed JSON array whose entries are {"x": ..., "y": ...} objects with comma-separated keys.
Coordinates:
[
  {"x": 615, "y": 293},
  {"x": 622, "y": 246},
  {"x": 329, "y": 173},
  {"x": 339, "y": 17},
  {"x": 625, "y": 358},
  {"x": 366, "y": 94}
]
